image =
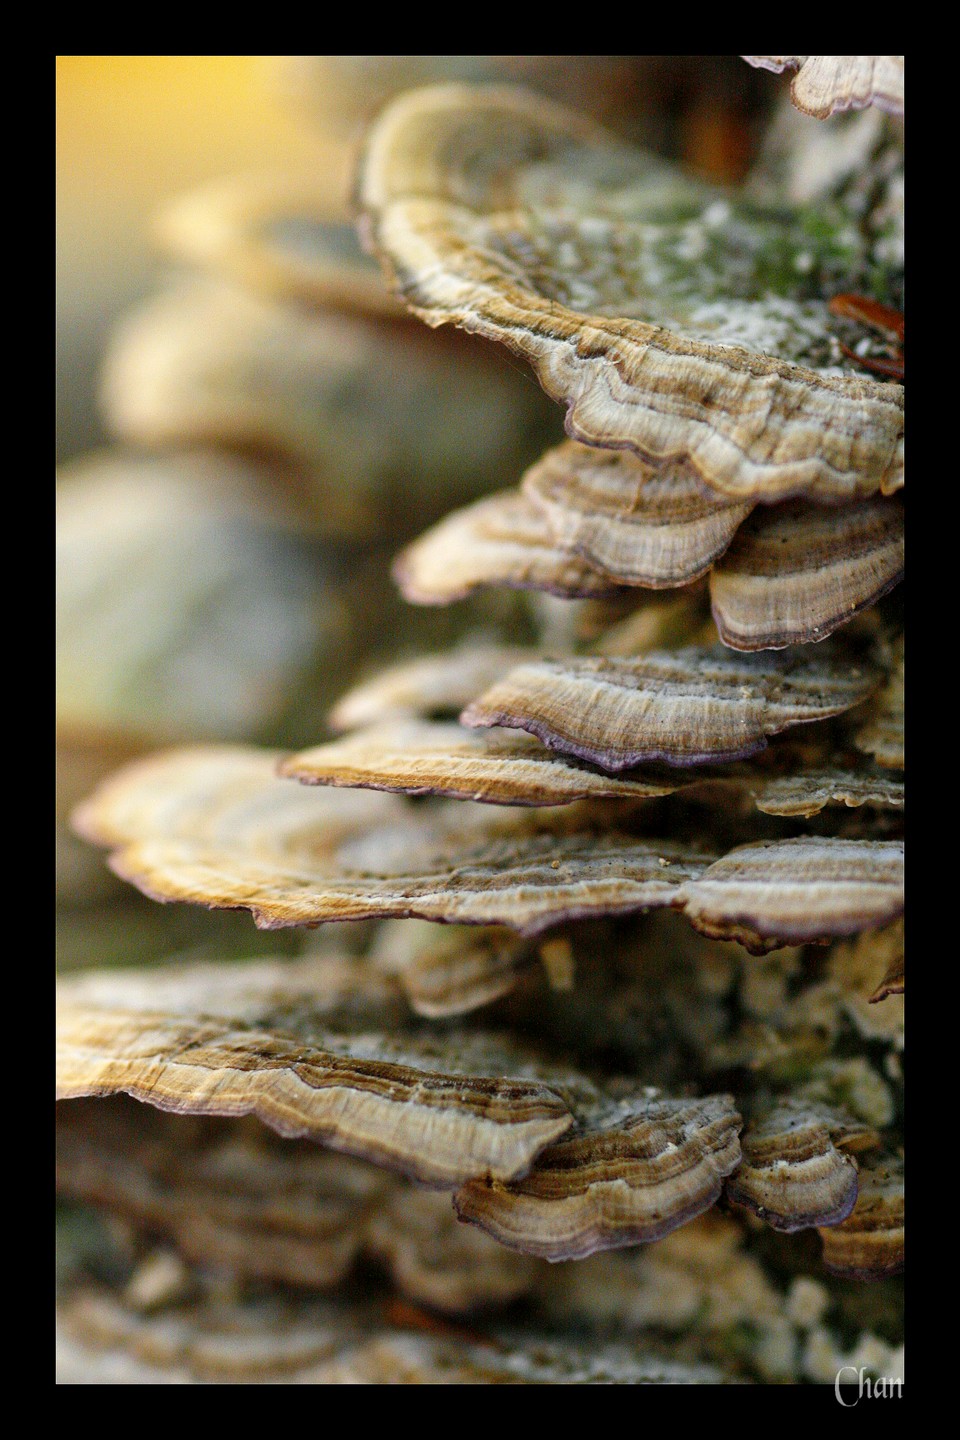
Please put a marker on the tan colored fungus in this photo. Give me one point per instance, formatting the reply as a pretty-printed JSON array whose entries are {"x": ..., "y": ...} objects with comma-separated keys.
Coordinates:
[
  {"x": 517, "y": 220},
  {"x": 794, "y": 891},
  {"x": 224, "y": 794},
  {"x": 796, "y": 572},
  {"x": 647, "y": 525},
  {"x": 305, "y": 1047},
  {"x": 869, "y": 1243},
  {"x": 508, "y": 767},
  {"x": 422, "y": 758},
  {"x": 500, "y": 541},
  {"x": 236, "y": 838},
  {"x": 451, "y": 1267},
  {"x": 619, "y": 1179},
  {"x": 796, "y": 1172},
  {"x": 826, "y": 84},
  {"x": 428, "y": 685},
  {"x": 685, "y": 707}
]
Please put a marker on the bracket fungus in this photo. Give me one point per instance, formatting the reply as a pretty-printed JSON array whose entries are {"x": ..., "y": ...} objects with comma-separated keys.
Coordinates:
[
  {"x": 498, "y": 541},
  {"x": 796, "y": 1171},
  {"x": 635, "y": 1176},
  {"x": 684, "y": 707},
  {"x": 794, "y": 573},
  {"x": 621, "y": 830},
  {"x": 295, "y": 855},
  {"x": 430, "y": 685},
  {"x": 827, "y": 84},
  {"x": 511, "y": 767},
  {"x": 452, "y": 969},
  {"x": 318, "y": 1049},
  {"x": 641, "y": 524},
  {"x": 869, "y": 1242},
  {"x": 665, "y": 318},
  {"x": 237, "y": 1200},
  {"x": 264, "y": 1040},
  {"x": 586, "y": 521}
]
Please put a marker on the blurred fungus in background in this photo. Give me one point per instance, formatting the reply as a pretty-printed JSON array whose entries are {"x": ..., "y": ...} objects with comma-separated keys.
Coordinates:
[{"x": 312, "y": 551}]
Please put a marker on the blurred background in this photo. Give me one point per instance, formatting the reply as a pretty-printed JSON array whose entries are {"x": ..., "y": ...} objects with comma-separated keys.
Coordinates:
[{"x": 132, "y": 132}]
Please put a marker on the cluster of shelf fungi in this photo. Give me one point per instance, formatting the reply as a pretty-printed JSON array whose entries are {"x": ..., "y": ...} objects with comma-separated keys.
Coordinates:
[{"x": 627, "y": 991}]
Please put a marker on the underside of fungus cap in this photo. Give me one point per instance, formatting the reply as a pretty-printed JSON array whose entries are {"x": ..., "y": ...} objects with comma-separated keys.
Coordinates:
[{"x": 666, "y": 316}]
